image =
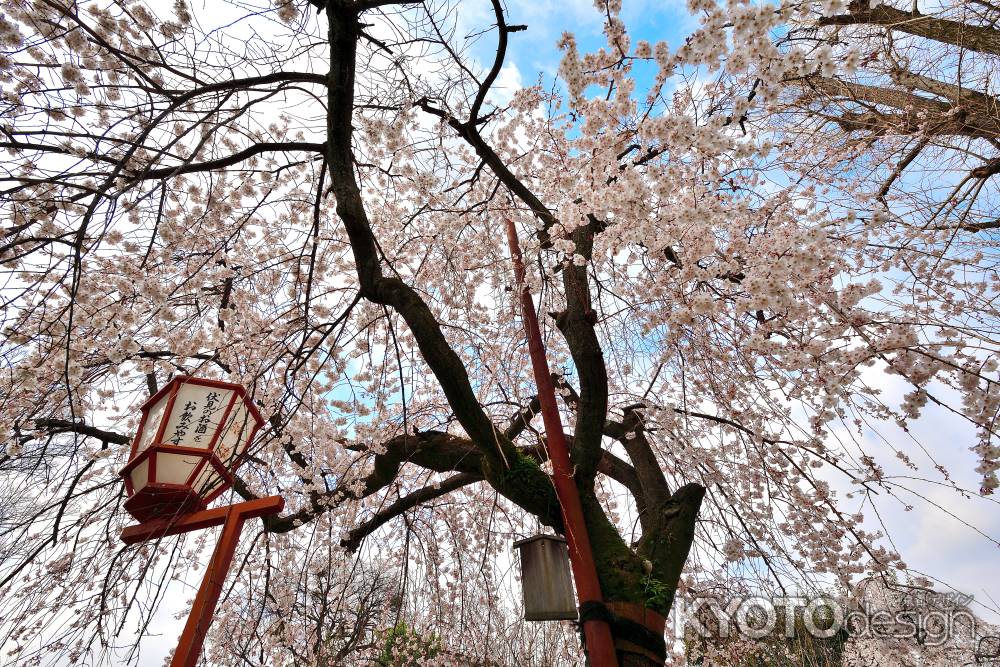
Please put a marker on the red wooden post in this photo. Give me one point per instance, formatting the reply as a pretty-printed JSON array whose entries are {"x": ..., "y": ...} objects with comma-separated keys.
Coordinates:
[
  {"x": 597, "y": 633},
  {"x": 232, "y": 519}
]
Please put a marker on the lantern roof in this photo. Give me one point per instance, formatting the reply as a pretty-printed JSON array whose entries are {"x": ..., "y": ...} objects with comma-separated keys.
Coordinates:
[{"x": 536, "y": 538}]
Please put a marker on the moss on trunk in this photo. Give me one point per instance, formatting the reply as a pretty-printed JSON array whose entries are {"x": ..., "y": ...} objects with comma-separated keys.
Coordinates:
[
  {"x": 647, "y": 577},
  {"x": 619, "y": 570}
]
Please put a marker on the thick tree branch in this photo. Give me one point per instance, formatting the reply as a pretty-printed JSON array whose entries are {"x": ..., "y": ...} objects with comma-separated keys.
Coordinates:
[
  {"x": 374, "y": 286},
  {"x": 984, "y": 39},
  {"x": 631, "y": 434},
  {"x": 498, "y": 60},
  {"x": 958, "y": 95},
  {"x": 55, "y": 426},
  {"x": 485, "y": 152},
  {"x": 667, "y": 544},
  {"x": 183, "y": 96},
  {"x": 879, "y": 124},
  {"x": 366, "y": 5},
  {"x": 407, "y": 502},
  {"x": 522, "y": 419},
  {"x": 857, "y": 92},
  {"x": 939, "y": 117},
  {"x": 229, "y": 160},
  {"x": 901, "y": 167},
  {"x": 432, "y": 450},
  {"x": 576, "y": 323},
  {"x": 972, "y": 226}
]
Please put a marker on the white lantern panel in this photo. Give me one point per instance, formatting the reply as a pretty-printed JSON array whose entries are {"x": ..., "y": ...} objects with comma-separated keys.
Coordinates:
[
  {"x": 207, "y": 481},
  {"x": 175, "y": 468},
  {"x": 140, "y": 475},
  {"x": 196, "y": 414},
  {"x": 230, "y": 445},
  {"x": 153, "y": 419},
  {"x": 234, "y": 438}
]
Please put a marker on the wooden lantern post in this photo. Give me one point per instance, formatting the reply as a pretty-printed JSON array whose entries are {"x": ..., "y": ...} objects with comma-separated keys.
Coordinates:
[{"x": 192, "y": 436}]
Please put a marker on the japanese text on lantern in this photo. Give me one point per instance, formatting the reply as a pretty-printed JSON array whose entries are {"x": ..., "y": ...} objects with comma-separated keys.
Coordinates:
[{"x": 202, "y": 425}]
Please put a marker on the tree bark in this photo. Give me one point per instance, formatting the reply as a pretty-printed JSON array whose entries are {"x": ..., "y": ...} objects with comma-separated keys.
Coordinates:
[{"x": 976, "y": 38}]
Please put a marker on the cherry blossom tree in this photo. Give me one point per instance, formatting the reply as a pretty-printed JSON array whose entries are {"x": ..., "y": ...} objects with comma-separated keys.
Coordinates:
[{"x": 309, "y": 199}]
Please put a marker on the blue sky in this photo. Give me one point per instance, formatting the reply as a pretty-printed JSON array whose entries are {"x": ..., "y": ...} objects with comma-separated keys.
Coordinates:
[{"x": 533, "y": 52}]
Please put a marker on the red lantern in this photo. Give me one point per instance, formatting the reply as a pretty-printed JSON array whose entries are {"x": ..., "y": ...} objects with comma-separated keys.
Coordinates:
[{"x": 191, "y": 438}]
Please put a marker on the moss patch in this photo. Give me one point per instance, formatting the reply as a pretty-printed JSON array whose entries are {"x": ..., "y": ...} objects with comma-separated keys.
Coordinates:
[{"x": 526, "y": 484}]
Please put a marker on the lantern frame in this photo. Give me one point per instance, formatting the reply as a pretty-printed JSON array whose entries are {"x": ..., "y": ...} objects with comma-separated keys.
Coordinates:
[{"x": 157, "y": 498}]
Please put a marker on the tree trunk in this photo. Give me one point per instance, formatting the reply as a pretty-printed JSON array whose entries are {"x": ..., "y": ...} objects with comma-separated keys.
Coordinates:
[{"x": 639, "y": 586}]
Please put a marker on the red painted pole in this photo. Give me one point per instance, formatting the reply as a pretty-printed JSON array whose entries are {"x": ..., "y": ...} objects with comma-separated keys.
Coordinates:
[
  {"x": 232, "y": 519},
  {"x": 597, "y": 633},
  {"x": 203, "y": 609}
]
